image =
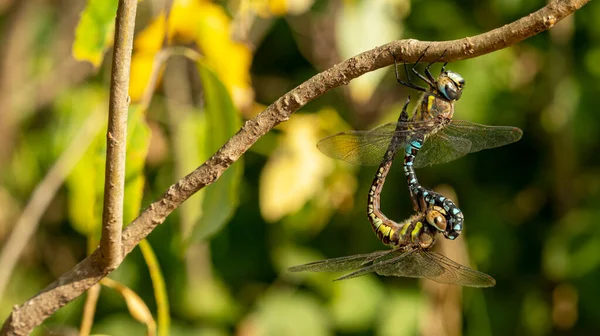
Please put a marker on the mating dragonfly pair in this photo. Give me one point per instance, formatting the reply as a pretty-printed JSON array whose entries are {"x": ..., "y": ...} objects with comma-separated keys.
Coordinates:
[{"x": 436, "y": 138}]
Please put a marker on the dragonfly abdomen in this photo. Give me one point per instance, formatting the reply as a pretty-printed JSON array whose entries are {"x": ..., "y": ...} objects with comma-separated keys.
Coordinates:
[
  {"x": 410, "y": 232},
  {"x": 384, "y": 228},
  {"x": 448, "y": 217}
]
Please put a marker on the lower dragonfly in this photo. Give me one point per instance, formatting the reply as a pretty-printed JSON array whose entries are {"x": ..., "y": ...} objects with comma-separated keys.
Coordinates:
[
  {"x": 410, "y": 258},
  {"x": 411, "y": 239}
]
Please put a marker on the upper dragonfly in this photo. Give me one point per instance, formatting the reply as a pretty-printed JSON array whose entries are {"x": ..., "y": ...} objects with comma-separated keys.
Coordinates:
[{"x": 445, "y": 139}]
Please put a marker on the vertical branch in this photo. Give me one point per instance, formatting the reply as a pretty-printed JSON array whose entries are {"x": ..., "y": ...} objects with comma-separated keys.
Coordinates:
[{"x": 116, "y": 136}]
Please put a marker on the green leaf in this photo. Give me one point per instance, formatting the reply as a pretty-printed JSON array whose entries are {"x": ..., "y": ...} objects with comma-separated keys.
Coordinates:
[
  {"x": 187, "y": 140},
  {"x": 286, "y": 312},
  {"x": 138, "y": 140},
  {"x": 85, "y": 190},
  {"x": 363, "y": 25},
  {"x": 160, "y": 288},
  {"x": 220, "y": 199},
  {"x": 355, "y": 304},
  {"x": 572, "y": 249},
  {"x": 406, "y": 304},
  {"x": 85, "y": 184},
  {"x": 217, "y": 305},
  {"x": 94, "y": 33}
]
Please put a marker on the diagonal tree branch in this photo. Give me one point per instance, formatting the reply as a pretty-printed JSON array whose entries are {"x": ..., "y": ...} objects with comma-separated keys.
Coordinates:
[
  {"x": 89, "y": 271},
  {"x": 116, "y": 136}
]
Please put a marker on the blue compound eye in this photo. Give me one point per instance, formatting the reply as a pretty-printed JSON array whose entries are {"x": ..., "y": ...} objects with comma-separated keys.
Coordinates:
[
  {"x": 450, "y": 91},
  {"x": 450, "y": 85},
  {"x": 456, "y": 78}
]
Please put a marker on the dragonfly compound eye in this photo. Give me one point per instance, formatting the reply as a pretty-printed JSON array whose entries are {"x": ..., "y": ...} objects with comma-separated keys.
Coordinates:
[
  {"x": 456, "y": 78},
  {"x": 449, "y": 90},
  {"x": 436, "y": 219},
  {"x": 451, "y": 84}
]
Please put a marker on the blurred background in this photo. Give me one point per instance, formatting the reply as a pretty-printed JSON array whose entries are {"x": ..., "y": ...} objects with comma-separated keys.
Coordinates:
[{"x": 217, "y": 266}]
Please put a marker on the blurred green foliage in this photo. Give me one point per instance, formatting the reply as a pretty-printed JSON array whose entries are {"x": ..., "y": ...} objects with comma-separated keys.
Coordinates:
[{"x": 530, "y": 207}]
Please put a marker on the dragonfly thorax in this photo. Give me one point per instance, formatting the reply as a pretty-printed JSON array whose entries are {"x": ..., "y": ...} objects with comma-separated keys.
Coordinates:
[
  {"x": 450, "y": 84},
  {"x": 427, "y": 239},
  {"x": 415, "y": 232}
]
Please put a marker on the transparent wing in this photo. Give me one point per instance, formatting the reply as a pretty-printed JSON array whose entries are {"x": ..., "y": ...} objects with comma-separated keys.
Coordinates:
[
  {"x": 440, "y": 148},
  {"x": 394, "y": 257},
  {"x": 462, "y": 137},
  {"x": 419, "y": 263},
  {"x": 340, "y": 264},
  {"x": 451, "y": 142},
  {"x": 368, "y": 147},
  {"x": 483, "y": 136},
  {"x": 450, "y": 272}
]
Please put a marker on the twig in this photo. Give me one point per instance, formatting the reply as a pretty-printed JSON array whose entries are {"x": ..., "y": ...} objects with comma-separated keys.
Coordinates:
[
  {"x": 116, "y": 136},
  {"x": 160, "y": 289},
  {"x": 158, "y": 64},
  {"x": 444, "y": 310},
  {"x": 89, "y": 310},
  {"x": 179, "y": 106},
  {"x": 85, "y": 274},
  {"x": 138, "y": 309},
  {"x": 43, "y": 194},
  {"x": 17, "y": 38}
]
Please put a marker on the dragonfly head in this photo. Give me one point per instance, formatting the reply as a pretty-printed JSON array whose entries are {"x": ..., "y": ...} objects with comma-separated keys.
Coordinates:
[
  {"x": 450, "y": 84},
  {"x": 443, "y": 222},
  {"x": 437, "y": 217}
]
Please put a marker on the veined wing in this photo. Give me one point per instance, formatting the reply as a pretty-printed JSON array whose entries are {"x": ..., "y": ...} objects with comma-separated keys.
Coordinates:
[
  {"x": 393, "y": 258},
  {"x": 419, "y": 263},
  {"x": 340, "y": 264},
  {"x": 368, "y": 147},
  {"x": 440, "y": 148},
  {"x": 462, "y": 137},
  {"x": 483, "y": 136},
  {"x": 448, "y": 271}
]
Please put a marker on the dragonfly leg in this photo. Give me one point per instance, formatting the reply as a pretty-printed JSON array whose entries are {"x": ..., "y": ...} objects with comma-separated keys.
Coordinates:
[
  {"x": 414, "y": 70},
  {"x": 408, "y": 83},
  {"x": 423, "y": 78},
  {"x": 443, "y": 68},
  {"x": 428, "y": 73},
  {"x": 404, "y": 114}
]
